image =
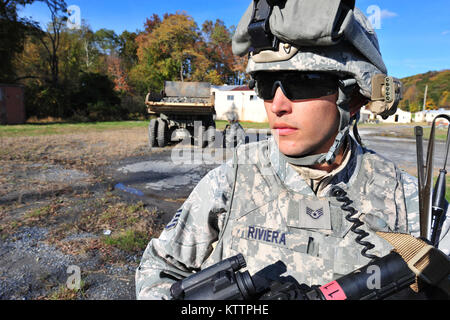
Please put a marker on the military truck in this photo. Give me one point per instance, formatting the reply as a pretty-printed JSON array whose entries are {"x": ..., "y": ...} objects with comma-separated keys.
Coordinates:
[{"x": 183, "y": 111}]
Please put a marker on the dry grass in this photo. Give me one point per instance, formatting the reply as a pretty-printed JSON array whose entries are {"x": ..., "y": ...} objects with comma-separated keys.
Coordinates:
[
  {"x": 83, "y": 151},
  {"x": 77, "y": 149}
]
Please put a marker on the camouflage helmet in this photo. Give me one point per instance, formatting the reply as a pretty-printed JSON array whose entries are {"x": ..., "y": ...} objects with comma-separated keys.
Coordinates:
[
  {"x": 330, "y": 36},
  {"x": 341, "y": 41}
]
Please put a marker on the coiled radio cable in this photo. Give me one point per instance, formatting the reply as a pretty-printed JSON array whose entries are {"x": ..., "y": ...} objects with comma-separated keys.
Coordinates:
[{"x": 342, "y": 197}]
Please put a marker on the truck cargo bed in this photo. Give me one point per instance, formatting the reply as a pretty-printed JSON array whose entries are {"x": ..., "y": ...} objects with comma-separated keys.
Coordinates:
[{"x": 179, "y": 108}]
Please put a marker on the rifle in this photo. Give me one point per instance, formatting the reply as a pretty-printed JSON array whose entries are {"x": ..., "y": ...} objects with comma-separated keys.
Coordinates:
[{"x": 223, "y": 281}]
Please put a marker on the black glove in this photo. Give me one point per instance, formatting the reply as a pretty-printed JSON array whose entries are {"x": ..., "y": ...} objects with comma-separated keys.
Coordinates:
[{"x": 286, "y": 291}]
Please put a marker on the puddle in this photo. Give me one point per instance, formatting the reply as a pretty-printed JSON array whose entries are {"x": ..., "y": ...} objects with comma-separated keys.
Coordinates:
[
  {"x": 175, "y": 182},
  {"x": 158, "y": 167}
]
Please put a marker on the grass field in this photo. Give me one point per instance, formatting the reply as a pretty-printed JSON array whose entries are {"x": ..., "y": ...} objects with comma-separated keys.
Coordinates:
[
  {"x": 30, "y": 130},
  {"x": 36, "y": 129}
]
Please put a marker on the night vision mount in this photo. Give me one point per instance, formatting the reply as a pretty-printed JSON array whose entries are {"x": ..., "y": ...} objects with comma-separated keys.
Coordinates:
[
  {"x": 259, "y": 27},
  {"x": 387, "y": 92}
]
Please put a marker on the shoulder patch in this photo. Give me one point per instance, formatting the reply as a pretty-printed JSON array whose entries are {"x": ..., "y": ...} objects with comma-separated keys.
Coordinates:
[{"x": 172, "y": 224}]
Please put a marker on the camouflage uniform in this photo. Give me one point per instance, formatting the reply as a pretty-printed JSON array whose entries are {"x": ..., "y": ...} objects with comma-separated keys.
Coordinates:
[
  {"x": 234, "y": 134},
  {"x": 259, "y": 205},
  {"x": 272, "y": 214}
]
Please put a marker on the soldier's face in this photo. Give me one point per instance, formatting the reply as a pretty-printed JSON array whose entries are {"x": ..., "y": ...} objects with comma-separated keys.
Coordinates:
[{"x": 303, "y": 127}]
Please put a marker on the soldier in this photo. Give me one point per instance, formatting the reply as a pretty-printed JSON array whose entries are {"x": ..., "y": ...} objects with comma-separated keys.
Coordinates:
[
  {"x": 276, "y": 200},
  {"x": 233, "y": 134}
]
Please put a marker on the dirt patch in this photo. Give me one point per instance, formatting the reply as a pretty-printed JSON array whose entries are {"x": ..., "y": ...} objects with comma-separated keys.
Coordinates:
[{"x": 57, "y": 211}]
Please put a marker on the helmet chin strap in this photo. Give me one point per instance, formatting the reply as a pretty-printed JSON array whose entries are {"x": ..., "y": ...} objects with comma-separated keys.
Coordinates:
[{"x": 345, "y": 89}]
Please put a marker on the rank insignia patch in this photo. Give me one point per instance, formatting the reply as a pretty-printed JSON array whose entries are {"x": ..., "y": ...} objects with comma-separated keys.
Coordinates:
[
  {"x": 174, "y": 222},
  {"x": 315, "y": 214}
]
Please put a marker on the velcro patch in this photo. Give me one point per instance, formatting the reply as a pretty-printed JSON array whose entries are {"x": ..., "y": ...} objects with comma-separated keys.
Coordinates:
[
  {"x": 172, "y": 224},
  {"x": 262, "y": 234}
]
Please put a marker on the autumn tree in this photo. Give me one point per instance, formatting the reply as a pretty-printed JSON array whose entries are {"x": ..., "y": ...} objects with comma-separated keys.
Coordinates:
[
  {"x": 173, "y": 48},
  {"x": 50, "y": 38},
  {"x": 166, "y": 51},
  {"x": 444, "y": 101},
  {"x": 438, "y": 84},
  {"x": 218, "y": 50},
  {"x": 430, "y": 104},
  {"x": 152, "y": 23},
  {"x": 13, "y": 32}
]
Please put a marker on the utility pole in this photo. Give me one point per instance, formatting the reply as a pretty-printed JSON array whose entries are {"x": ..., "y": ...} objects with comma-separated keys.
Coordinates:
[{"x": 425, "y": 98}]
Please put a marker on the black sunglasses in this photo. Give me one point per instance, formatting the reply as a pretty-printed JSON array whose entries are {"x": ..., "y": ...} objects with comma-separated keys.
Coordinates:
[{"x": 295, "y": 85}]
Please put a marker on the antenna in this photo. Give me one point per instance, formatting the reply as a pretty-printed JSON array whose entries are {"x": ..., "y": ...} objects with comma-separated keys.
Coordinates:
[{"x": 432, "y": 203}]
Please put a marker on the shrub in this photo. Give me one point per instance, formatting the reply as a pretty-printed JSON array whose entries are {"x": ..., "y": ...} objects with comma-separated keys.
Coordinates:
[{"x": 43, "y": 102}]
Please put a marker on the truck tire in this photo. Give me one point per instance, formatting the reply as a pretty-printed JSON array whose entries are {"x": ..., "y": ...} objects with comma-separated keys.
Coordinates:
[
  {"x": 163, "y": 133},
  {"x": 152, "y": 132}
]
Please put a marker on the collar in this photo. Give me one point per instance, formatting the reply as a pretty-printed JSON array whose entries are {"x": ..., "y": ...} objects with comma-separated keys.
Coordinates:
[
  {"x": 293, "y": 181},
  {"x": 319, "y": 179}
]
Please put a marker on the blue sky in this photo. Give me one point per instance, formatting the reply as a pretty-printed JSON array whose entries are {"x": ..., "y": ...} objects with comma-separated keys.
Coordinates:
[{"x": 414, "y": 35}]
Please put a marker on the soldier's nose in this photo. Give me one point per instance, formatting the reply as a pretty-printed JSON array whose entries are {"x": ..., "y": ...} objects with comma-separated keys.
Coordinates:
[{"x": 281, "y": 105}]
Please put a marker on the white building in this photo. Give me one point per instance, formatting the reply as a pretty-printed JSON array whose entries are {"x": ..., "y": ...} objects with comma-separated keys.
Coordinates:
[
  {"x": 242, "y": 100},
  {"x": 366, "y": 115},
  {"x": 429, "y": 116},
  {"x": 399, "y": 117}
]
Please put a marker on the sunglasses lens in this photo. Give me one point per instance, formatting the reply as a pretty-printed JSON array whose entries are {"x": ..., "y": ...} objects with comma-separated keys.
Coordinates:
[
  {"x": 295, "y": 85},
  {"x": 265, "y": 88}
]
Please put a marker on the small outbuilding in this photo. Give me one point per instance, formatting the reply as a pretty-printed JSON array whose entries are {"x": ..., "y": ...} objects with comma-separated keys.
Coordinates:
[
  {"x": 429, "y": 116},
  {"x": 12, "y": 106},
  {"x": 399, "y": 117},
  {"x": 241, "y": 100}
]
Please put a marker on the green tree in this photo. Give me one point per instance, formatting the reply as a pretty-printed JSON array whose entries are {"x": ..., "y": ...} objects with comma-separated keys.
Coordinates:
[
  {"x": 107, "y": 41},
  {"x": 167, "y": 52},
  {"x": 128, "y": 49}
]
